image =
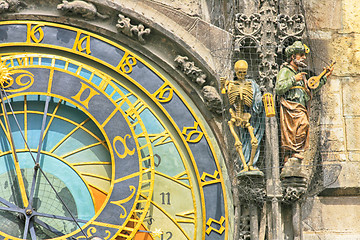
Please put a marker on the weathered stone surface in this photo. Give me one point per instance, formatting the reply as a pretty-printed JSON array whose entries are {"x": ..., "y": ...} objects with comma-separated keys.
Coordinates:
[
  {"x": 351, "y": 15},
  {"x": 341, "y": 49},
  {"x": 332, "y": 139},
  {"x": 351, "y": 89},
  {"x": 349, "y": 176},
  {"x": 331, "y": 108},
  {"x": 353, "y": 130},
  {"x": 318, "y": 16},
  {"x": 191, "y": 7},
  {"x": 332, "y": 218}
]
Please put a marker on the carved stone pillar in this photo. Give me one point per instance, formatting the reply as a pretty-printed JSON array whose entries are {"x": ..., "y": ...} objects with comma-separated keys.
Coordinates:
[
  {"x": 294, "y": 188},
  {"x": 252, "y": 197}
]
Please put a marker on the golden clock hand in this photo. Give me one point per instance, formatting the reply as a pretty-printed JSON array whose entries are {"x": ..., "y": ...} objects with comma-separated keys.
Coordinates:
[{"x": 13, "y": 152}]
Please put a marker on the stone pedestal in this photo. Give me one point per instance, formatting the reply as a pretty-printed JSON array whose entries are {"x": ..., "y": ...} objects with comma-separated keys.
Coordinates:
[
  {"x": 293, "y": 168},
  {"x": 252, "y": 196},
  {"x": 294, "y": 188}
]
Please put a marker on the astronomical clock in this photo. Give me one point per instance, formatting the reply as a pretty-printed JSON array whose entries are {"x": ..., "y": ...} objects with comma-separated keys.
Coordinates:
[{"x": 97, "y": 141}]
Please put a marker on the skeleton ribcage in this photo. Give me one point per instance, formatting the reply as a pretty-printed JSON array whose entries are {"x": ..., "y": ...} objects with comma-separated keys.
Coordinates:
[{"x": 241, "y": 94}]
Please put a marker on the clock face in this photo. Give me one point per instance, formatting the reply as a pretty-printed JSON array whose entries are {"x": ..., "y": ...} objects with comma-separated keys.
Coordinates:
[{"x": 96, "y": 142}]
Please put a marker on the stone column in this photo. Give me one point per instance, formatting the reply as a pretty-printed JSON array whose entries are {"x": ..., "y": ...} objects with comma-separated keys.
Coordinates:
[
  {"x": 294, "y": 187},
  {"x": 252, "y": 196}
]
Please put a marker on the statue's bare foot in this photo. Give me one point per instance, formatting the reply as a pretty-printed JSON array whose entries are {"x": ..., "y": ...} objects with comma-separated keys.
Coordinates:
[
  {"x": 246, "y": 169},
  {"x": 252, "y": 168}
]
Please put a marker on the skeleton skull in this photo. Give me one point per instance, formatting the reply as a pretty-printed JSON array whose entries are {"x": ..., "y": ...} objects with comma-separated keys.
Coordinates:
[{"x": 240, "y": 68}]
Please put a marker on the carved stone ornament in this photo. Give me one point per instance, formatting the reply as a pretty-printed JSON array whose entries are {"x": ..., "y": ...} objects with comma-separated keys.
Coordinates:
[
  {"x": 290, "y": 27},
  {"x": 10, "y": 5},
  {"x": 248, "y": 28},
  {"x": 293, "y": 189},
  {"x": 194, "y": 73},
  {"x": 251, "y": 188},
  {"x": 137, "y": 31},
  {"x": 292, "y": 194},
  {"x": 244, "y": 227},
  {"x": 82, "y": 8}
]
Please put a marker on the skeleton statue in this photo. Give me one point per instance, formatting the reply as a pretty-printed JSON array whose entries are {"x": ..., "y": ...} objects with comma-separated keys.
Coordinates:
[{"x": 245, "y": 96}]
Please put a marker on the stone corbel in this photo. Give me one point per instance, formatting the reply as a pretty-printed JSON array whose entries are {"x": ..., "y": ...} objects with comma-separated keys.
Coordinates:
[
  {"x": 137, "y": 31},
  {"x": 80, "y": 8},
  {"x": 11, "y": 5}
]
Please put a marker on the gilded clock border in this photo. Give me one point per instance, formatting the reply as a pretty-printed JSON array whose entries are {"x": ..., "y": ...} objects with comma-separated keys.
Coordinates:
[{"x": 79, "y": 31}]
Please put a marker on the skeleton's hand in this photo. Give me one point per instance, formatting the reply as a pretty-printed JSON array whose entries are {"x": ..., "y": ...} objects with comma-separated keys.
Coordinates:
[{"x": 223, "y": 83}]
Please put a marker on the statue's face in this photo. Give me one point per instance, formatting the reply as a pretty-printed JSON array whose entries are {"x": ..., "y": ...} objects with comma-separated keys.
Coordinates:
[
  {"x": 240, "y": 73},
  {"x": 299, "y": 60}
]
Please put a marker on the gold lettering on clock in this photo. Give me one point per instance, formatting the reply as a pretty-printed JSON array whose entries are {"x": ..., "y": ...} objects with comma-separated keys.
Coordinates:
[
  {"x": 36, "y": 33},
  {"x": 162, "y": 137},
  {"x": 138, "y": 107},
  {"x": 85, "y": 102},
  {"x": 79, "y": 43},
  {"x": 193, "y": 132},
  {"x": 127, "y": 151},
  {"x": 214, "y": 178},
  {"x": 24, "y": 80},
  {"x": 220, "y": 223},
  {"x": 164, "y": 93},
  {"x": 24, "y": 61},
  {"x": 126, "y": 63}
]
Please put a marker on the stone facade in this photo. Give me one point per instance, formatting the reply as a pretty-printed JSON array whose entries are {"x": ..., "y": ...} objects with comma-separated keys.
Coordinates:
[{"x": 334, "y": 213}]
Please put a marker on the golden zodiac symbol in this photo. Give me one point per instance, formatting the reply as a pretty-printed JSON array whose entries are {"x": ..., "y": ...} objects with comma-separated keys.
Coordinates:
[{"x": 210, "y": 228}]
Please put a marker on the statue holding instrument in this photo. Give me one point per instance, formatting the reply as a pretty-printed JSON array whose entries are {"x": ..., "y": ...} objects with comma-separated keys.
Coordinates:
[{"x": 295, "y": 93}]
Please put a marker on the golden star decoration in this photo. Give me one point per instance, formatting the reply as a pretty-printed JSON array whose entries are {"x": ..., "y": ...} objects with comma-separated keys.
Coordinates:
[{"x": 157, "y": 233}]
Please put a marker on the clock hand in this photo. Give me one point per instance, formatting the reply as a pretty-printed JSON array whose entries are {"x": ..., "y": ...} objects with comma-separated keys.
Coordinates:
[
  {"x": 28, "y": 222},
  {"x": 38, "y": 166},
  {"x": 39, "y": 150},
  {"x": 13, "y": 152}
]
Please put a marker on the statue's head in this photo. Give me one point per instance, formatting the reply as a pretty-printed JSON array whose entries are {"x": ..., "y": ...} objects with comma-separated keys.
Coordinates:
[
  {"x": 240, "y": 69},
  {"x": 297, "y": 53}
]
